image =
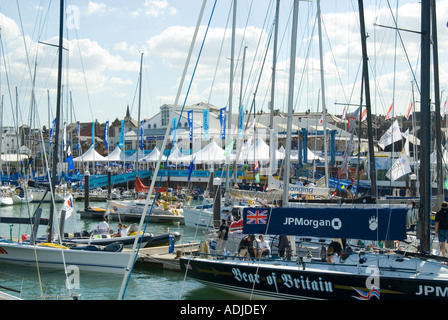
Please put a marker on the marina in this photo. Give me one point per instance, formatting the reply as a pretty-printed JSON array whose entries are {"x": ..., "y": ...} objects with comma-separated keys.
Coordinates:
[{"x": 196, "y": 201}]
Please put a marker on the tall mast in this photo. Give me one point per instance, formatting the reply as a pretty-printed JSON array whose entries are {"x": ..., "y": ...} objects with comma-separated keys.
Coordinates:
[
  {"x": 365, "y": 70},
  {"x": 274, "y": 66},
  {"x": 425, "y": 126},
  {"x": 292, "y": 67},
  {"x": 322, "y": 82},
  {"x": 58, "y": 115},
  {"x": 138, "y": 120}
]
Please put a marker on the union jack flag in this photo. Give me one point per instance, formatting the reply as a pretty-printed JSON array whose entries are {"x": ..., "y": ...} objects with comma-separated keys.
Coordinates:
[{"x": 257, "y": 216}]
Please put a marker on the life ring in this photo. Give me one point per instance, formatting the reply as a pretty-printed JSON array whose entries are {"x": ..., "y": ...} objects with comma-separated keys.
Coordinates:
[{"x": 176, "y": 212}]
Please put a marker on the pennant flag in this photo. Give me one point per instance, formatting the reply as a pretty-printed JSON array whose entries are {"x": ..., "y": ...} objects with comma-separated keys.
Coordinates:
[
  {"x": 400, "y": 167},
  {"x": 229, "y": 149},
  {"x": 140, "y": 187},
  {"x": 392, "y": 134},
  {"x": 190, "y": 169},
  {"x": 406, "y": 144},
  {"x": 409, "y": 112},
  {"x": 69, "y": 159},
  {"x": 241, "y": 123},
  {"x": 364, "y": 115},
  {"x": 106, "y": 135},
  {"x": 256, "y": 172},
  {"x": 251, "y": 127},
  {"x": 343, "y": 113},
  {"x": 53, "y": 124},
  {"x": 67, "y": 206},
  {"x": 64, "y": 137},
  {"x": 190, "y": 123},
  {"x": 79, "y": 136},
  {"x": 352, "y": 120},
  {"x": 174, "y": 132},
  {"x": 222, "y": 119},
  {"x": 443, "y": 110},
  {"x": 93, "y": 135},
  {"x": 389, "y": 113},
  {"x": 121, "y": 142},
  {"x": 205, "y": 124}
]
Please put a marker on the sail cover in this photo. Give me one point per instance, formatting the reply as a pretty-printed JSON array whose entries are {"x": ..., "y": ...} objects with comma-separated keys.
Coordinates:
[{"x": 374, "y": 223}]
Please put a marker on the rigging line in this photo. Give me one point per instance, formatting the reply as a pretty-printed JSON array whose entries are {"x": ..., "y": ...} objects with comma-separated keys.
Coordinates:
[
  {"x": 84, "y": 73},
  {"x": 402, "y": 44},
  {"x": 254, "y": 61},
  {"x": 219, "y": 55},
  {"x": 168, "y": 127},
  {"x": 259, "y": 77}
]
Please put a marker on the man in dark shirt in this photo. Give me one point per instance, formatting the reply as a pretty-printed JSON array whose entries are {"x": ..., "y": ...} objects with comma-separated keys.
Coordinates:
[
  {"x": 223, "y": 234},
  {"x": 441, "y": 225}
]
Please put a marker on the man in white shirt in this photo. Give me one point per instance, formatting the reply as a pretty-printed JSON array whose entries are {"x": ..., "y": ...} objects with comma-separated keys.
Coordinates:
[
  {"x": 264, "y": 249},
  {"x": 103, "y": 226}
]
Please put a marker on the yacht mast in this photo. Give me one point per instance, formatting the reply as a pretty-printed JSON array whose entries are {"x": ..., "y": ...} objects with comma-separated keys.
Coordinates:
[
  {"x": 292, "y": 67},
  {"x": 58, "y": 115},
  {"x": 425, "y": 126},
  {"x": 365, "y": 70},
  {"x": 322, "y": 84}
]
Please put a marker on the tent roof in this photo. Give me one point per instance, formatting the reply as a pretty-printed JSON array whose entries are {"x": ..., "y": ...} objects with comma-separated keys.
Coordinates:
[
  {"x": 153, "y": 156},
  {"x": 89, "y": 156},
  {"x": 211, "y": 153},
  {"x": 115, "y": 155}
]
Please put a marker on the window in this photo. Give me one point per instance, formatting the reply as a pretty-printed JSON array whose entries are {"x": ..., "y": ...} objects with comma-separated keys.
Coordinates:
[
  {"x": 149, "y": 126},
  {"x": 165, "y": 116}
]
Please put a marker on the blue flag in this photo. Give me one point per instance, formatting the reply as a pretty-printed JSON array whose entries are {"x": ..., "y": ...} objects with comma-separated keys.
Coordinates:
[
  {"x": 240, "y": 124},
  {"x": 79, "y": 137},
  {"x": 190, "y": 169},
  {"x": 53, "y": 124},
  {"x": 106, "y": 135},
  {"x": 69, "y": 159},
  {"x": 141, "y": 135},
  {"x": 222, "y": 118},
  {"x": 205, "y": 125},
  {"x": 174, "y": 132},
  {"x": 93, "y": 134},
  {"x": 190, "y": 123},
  {"x": 121, "y": 142}
]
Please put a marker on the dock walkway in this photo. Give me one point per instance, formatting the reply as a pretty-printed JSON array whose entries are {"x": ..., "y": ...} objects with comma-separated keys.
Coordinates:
[{"x": 160, "y": 256}]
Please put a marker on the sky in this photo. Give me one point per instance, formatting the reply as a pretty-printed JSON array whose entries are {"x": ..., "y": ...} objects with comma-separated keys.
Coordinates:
[{"x": 104, "y": 41}]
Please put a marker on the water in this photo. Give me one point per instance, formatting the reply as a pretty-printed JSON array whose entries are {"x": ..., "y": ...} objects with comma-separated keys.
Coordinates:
[{"x": 146, "y": 283}]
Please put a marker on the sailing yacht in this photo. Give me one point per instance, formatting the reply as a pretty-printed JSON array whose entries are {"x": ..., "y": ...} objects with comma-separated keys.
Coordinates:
[
  {"x": 362, "y": 273},
  {"x": 110, "y": 259}
]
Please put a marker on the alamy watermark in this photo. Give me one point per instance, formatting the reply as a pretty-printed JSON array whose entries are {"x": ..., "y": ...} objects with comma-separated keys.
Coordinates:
[{"x": 73, "y": 17}]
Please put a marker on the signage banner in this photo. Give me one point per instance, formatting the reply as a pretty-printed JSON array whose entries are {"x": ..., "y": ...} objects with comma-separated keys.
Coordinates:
[
  {"x": 121, "y": 142},
  {"x": 206, "y": 124},
  {"x": 222, "y": 118},
  {"x": 375, "y": 223},
  {"x": 190, "y": 123},
  {"x": 106, "y": 135}
]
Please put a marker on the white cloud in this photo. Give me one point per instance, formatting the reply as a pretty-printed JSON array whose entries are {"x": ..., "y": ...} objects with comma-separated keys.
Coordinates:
[
  {"x": 98, "y": 8},
  {"x": 155, "y": 8}
]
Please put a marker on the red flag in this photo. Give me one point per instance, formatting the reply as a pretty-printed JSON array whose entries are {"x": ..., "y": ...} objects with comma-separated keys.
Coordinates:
[
  {"x": 140, "y": 187},
  {"x": 364, "y": 115},
  {"x": 409, "y": 112},
  {"x": 389, "y": 113}
]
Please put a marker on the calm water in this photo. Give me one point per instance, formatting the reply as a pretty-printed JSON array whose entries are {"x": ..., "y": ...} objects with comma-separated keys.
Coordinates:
[{"x": 147, "y": 283}]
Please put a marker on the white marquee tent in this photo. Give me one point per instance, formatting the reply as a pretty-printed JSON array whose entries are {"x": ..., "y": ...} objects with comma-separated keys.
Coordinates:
[{"x": 90, "y": 156}]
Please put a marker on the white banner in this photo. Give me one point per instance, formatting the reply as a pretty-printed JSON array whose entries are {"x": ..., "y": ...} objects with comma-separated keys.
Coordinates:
[
  {"x": 275, "y": 184},
  {"x": 400, "y": 167},
  {"x": 392, "y": 134}
]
